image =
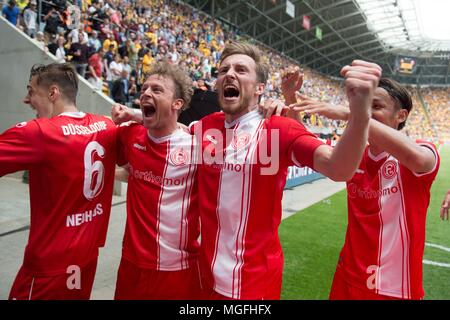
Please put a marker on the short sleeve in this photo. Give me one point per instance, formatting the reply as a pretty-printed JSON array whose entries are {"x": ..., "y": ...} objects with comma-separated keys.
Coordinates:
[
  {"x": 122, "y": 138},
  {"x": 433, "y": 172},
  {"x": 297, "y": 143},
  {"x": 21, "y": 147}
]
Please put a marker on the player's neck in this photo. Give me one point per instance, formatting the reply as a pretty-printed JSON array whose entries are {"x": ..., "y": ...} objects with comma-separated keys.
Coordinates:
[
  {"x": 164, "y": 131},
  {"x": 375, "y": 150},
  {"x": 61, "y": 108},
  {"x": 232, "y": 117}
]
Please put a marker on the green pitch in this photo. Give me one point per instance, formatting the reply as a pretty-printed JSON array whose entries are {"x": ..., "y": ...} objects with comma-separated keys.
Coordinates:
[{"x": 313, "y": 238}]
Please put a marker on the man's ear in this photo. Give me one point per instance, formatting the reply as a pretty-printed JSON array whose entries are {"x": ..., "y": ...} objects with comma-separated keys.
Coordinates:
[
  {"x": 402, "y": 115},
  {"x": 53, "y": 93},
  {"x": 260, "y": 88},
  {"x": 177, "y": 104}
]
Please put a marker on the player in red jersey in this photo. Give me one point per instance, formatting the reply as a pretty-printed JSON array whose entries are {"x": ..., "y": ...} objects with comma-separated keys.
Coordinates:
[
  {"x": 241, "y": 252},
  {"x": 244, "y": 160},
  {"x": 388, "y": 199},
  {"x": 71, "y": 157},
  {"x": 160, "y": 247}
]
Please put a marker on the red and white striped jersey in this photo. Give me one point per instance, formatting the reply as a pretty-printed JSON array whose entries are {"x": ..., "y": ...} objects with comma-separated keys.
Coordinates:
[
  {"x": 241, "y": 182},
  {"x": 384, "y": 244},
  {"x": 71, "y": 158},
  {"x": 162, "y": 227}
]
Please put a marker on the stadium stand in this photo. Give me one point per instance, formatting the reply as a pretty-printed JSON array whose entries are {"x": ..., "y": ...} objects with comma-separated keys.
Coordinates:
[
  {"x": 143, "y": 31},
  {"x": 438, "y": 104},
  {"x": 140, "y": 32}
]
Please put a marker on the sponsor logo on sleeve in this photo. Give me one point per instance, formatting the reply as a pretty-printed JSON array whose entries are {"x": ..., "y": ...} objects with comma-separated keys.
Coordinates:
[{"x": 139, "y": 147}]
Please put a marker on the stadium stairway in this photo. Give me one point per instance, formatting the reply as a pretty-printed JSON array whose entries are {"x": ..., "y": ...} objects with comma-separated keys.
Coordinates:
[{"x": 18, "y": 54}]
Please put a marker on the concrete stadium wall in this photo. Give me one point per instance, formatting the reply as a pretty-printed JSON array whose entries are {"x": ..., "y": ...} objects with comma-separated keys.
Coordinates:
[{"x": 18, "y": 53}]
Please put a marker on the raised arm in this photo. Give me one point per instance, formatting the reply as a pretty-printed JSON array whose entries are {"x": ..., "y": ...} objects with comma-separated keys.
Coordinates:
[
  {"x": 415, "y": 157},
  {"x": 340, "y": 163},
  {"x": 291, "y": 83},
  {"x": 121, "y": 114}
]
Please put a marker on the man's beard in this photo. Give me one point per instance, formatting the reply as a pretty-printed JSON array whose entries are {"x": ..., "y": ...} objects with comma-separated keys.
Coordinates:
[{"x": 232, "y": 110}]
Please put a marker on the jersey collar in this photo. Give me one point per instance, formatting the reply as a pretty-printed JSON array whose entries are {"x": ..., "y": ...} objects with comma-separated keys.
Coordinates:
[
  {"x": 76, "y": 114},
  {"x": 165, "y": 138},
  {"x": 244, "y": 119},
  {"x": 377, "y": 158}
]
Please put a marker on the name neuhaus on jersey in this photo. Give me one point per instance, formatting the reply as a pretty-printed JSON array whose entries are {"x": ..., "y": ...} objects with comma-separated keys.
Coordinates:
[{"x": 77, "y": 219}]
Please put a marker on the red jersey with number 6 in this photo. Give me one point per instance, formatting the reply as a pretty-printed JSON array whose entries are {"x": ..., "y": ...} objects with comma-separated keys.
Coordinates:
[{"x": 71, "y": 159}]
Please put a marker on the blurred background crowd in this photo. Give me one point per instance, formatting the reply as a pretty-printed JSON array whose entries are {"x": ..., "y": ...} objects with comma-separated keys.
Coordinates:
[{"x": 113, "y": 43}]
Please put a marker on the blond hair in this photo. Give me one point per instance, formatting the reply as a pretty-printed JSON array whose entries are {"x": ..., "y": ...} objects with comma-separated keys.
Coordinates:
[
  {"x": 179, "y": 76},
  {"x": 262, "y": 69}
]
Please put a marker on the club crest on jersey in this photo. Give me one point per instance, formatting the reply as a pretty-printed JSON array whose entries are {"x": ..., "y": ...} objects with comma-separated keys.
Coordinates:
[
  {"x": 179, "y": 157},
  {"x": 240, "y": 140},
  {"x": 389, "y": 169},
  {"x": 21, "y": 124}
]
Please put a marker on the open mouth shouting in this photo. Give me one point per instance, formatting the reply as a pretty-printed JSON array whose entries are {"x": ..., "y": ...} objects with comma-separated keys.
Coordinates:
[
  {"x": 148, "y": 110},
  {"x": 231, "y": 92}
]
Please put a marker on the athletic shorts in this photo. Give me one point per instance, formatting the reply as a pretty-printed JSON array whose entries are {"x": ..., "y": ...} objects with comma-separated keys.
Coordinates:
[
  {"x": 273, "y": 292},
  {"x": 74, "y": 285},
  {"x": 342, "y": 290},
  {"x": 135, "y": 283}
]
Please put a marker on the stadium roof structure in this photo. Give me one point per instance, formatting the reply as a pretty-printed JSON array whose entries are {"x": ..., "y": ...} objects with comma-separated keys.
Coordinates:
[{"x": 382, "y": 31}]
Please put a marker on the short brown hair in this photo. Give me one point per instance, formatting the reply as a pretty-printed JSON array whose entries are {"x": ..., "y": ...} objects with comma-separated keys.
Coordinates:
[
  {"x": 399, "y": 94},
  {"x": 62, "y": 75},
  {"x": 183, "y": 84},
  {"x": 262, "y": 70}
]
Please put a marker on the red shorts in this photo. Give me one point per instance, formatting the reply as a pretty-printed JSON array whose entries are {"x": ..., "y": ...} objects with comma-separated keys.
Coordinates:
[
  {"x": 75, "y": 285},
  {"x": 272, "y": 290},
  {"x": 342, "y": 290},
  {"x": 135, "y": 283},
  {"x": 210, "y": 294}
]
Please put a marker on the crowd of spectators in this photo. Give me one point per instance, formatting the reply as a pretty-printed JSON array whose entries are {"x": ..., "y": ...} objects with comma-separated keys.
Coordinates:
[
  {"x": 437, "y": 101},
  {"x": 418, "y": 125},
  {"x": 113, "y": 43}
]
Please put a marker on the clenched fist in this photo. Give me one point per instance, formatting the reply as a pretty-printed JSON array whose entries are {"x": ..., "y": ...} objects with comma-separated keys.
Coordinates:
[
  {"x": 361, "y": 80},
  {"x": 121, "y": 113}
]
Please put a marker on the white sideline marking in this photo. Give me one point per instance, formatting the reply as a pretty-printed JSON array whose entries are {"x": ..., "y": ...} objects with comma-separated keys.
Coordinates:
[
  {"x": 439, "y": 264},
  {"x": 437, "y": 246}
]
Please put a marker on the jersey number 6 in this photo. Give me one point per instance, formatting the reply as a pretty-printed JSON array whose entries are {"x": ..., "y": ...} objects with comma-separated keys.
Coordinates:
[{"x": 94, "y": 171}]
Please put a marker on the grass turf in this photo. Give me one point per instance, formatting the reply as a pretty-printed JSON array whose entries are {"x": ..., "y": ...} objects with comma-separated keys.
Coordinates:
[{"x": 313, "y": 238}]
